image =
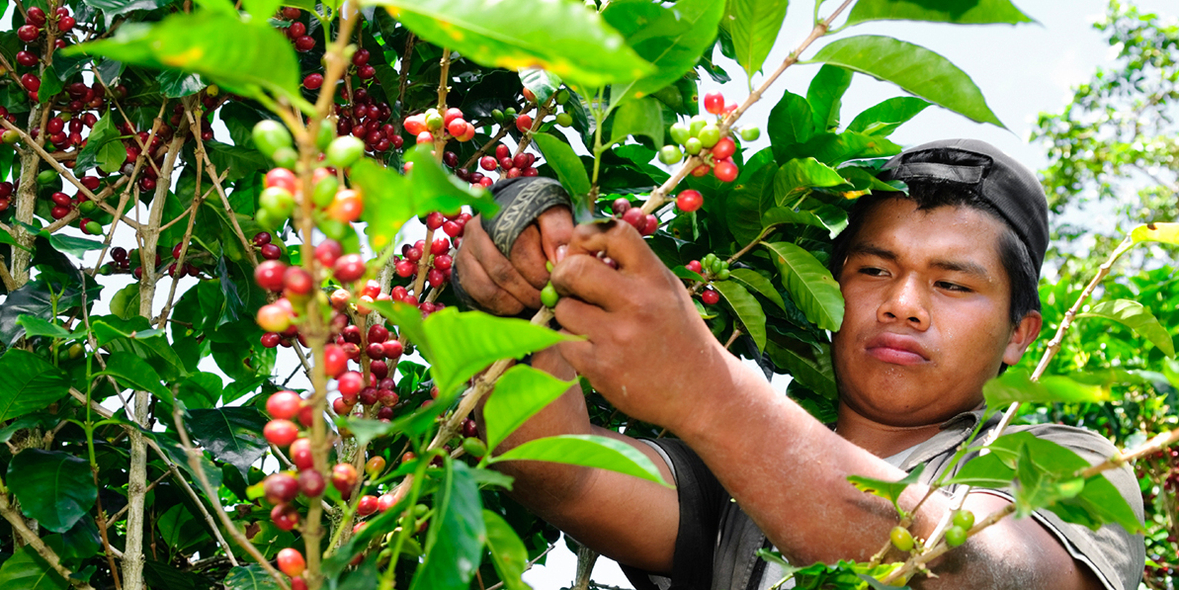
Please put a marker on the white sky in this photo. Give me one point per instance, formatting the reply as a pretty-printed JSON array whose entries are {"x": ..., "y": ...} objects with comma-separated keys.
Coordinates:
[{"x": 1022, "y": 72}]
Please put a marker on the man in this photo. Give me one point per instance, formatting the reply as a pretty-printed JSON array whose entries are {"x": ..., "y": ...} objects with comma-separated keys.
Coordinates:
[{"x": 940, "y": 291}]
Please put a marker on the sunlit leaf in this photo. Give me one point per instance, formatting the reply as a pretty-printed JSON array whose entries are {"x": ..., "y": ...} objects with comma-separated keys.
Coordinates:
[
  {"x": 454, "y": 543},
  {"x": 800, "y": 174},
  {"x": 1016, "y": 385},
  {"x": 638, "y": 117},
  {"x": 1137, "y": 317},
  {"x": 883, "y": 118},
  {"x": 757, "y": 283},
  {"x": 889, "y": 490},
  {"x": 587, "y": 451},
  {"x": 1156, "y": 232},
  {"x": 810, "y": 284},
  {"x": 569, "y": 168},
  {"x": 507, "y": 551},
  {"x": 519, "y": 394},
  {"x": 962, "y": 12},
  {"x": 35, "y": 326},
  {"x": 754, "y": 28},
  {"x": 672, "y": 39},
  {"x": 825, "y": 95}
]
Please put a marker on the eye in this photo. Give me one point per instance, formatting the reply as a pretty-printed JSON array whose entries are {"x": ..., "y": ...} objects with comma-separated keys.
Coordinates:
[
  {"x": 952, "y": 287},
  {"x": 871, "y": 271}
]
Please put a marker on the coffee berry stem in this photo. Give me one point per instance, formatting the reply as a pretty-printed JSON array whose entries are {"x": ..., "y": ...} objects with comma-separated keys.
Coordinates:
[{"x": 917, "y": 562}]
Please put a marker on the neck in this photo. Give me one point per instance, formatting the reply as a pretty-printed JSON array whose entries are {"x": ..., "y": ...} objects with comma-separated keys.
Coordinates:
[{"x": 882, "y": 440}]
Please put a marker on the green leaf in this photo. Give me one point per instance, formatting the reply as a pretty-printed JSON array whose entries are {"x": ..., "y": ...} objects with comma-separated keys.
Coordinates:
[
  {"x": 137, "y": 336},
  {"x": 883, "y": 118},
  {"x": 780, "y": 215},
  {"x": 809, "y": 364},
  {"x": 569, "y": 168},
  {"x": 747, "y": 308},
  {"x": 454, "y": 543},
  {"x": 26, "y": 570},
  {"x": 391, "y": 199},
  {"x": 249, "y": 577},
  {"x": 988, "y": 471},
  {"x": 1016, "y": 385},
  {"x": 587, "y": 451},
  {"x": 810, "y": 284},
  {"x": 485, "y": 339},
  {"x": 889, "y": 490},
  {"x": 73, "y": 245},
  {"x": 412, "y": 424},
  {"x": 519, "y": 394},
  {"x": 175, "y": 84},
  {"x": 801, "y": 174},
  {"x": 114, "y": 8},
  {"x": 35, "y": 326},
  {"x": 241, "y": 57},
  {"x": 754, "y": 29},
  {"x": 508, "y": 553},
  {"x": 543, "y": 84},
  {"x": 55, "y": 488},
  {"x": 915, "y": 69},
  {"x": 755, "y": 281},
  {"x": 231, "y": 434},
  {"x": 1156, "y": 232},
  {"x": 132, "y": 372},
  {"x": 962, "y": 12},
  {"x": 672, "y": 39},
  {"x": 825, "y": 95},
  {"x": 1137, "y": 317},
  {"x": 638, "y": 117},
  {"x": 29, "y": 384},
  {"x": 565, "y": 38},
  {"x": 791, "y": 121},
  {"x": 103, "y": 134}
]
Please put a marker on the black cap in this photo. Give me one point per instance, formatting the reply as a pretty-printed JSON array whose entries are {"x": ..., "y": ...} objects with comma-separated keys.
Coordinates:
[{"x": 1009, "y": 186}]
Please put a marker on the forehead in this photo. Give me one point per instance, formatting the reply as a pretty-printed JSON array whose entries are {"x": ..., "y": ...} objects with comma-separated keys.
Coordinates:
[{"x": 950, "y": 232}]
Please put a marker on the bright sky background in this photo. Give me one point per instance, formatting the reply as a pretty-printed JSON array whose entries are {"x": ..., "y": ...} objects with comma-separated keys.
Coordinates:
[{"x": 1022, "y": 72}]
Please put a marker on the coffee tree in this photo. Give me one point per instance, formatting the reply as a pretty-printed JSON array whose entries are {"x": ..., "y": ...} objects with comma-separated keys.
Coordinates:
[{"x": 283, "y": 184}]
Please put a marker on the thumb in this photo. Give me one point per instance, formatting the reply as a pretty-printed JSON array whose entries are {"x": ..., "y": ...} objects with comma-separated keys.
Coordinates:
[{"x": 556, "y": 229}]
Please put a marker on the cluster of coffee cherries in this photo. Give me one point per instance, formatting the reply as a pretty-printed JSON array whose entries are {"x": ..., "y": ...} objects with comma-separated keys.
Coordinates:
[
  {"x": 646, "y": 223},
  {"x": 509, "y": 166},
  {"x": 431, "y": 125},
  {"x": 701, "y": 136},
  {"x": 36, "y": 22},
  {"x": 295, "y": 29},
  {"x": 710, "y": 267}
]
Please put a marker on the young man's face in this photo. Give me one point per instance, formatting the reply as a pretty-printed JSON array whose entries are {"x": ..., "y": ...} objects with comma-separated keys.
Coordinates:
[{"x": 926, "y": 321}]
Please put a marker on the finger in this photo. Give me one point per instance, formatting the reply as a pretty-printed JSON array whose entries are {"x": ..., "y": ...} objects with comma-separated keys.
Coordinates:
[
  {"x": 585, "y": 277},
  {"x": 619, "y": 241},
  {"x": 556, "y": 229},
  {"x": 482, "y": 289},
  {"x": 499, "y": 269},
  {"x": 578, "y": 317},
  {"x": 529, "y": 259}
]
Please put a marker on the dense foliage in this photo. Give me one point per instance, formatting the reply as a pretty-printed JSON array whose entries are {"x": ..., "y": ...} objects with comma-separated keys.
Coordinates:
[{"x": 180, "y": 221}]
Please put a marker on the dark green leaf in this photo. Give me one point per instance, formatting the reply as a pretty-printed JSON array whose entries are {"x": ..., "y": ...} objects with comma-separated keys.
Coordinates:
[
  {"x": 92, "y": 154},
  {"x": 915, "y": 69},
  {"x": 1137, "y": 317},
  {"x": 566, "y": 164},
  {"x": 73, "y": 245},
  {"x": 670, "y": 38},
  {"x": 889, "y": 490},
  {"x": 114, "y": 8},
  {"x": 174, "y": 84},
  {"x": 543, "y": 84},
  {"x": 565, "y": 38},
  {"x": 825, "y": 95},
  {"x": 1016, "y": 385},
  {"x": 809, "y": 364},
  {"x": 27, "y": 570},
  {"x": 638, "y": 117},
  {"x": 783, "y": 215},
  {"x": 801, "y": 174},
  {"x": 754, "y": 28},
  {"x": 962, "y": 12},
  {"x": 810, "y": 284},
  {"x": 55, "y": 488},
  {"x": 249, "y": 577},
  {"x": 587, "y": 451},
  {"x": 986, "y": 471},
  {"x": 747, "y": 308},
  {"x": 35, "y": 326},
  {"x": 133, "y": 372},
  {"x": 758, "y": 283},
  {"x": 29, "y": 383},
  {"x": 883, "y": 118},
  {"x": 136, "y": 335},
  {"x": 232, "y": 434},
  {"x": 508, "y": 553},
  {"x": 241, "y": 57},
  {"x": 454, "y": 543},
  {"x": 519, "y": 394}
]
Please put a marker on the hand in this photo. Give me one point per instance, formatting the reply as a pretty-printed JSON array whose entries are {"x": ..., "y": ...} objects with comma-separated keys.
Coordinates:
[
  {"x": 648, "y": 351},
  {"x": 507, "y": 287}
]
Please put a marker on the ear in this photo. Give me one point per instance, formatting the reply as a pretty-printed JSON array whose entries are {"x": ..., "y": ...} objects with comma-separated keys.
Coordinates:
[{"x": 1022, "y": 337}]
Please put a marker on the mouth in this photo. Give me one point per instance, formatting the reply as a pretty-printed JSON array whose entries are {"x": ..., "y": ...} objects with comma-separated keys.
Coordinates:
[{"x": 896, "y": 349}]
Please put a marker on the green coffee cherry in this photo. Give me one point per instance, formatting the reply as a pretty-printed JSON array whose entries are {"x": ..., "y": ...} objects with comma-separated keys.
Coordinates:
[
  {"x": 434, "y": 120},
  {"x": 709, "y": 135},
  {"x": 723, "y": 274},
  {"x": 564, "y": 119},
  {"x": 693, "y": 146},
  {"x": 955, "y": 536},
  {"x": 325, "y": 191},
  {"x": 670, "y": 155},
  {"x": 679, "y": 133},
  {"x": 327, "y": 132},
  {"x": 474, "y": 447},
  {"x": 750, "y": 133},
  {"x": 497, "y": 115},
  {"x": 562, "y": 96},
  {"x": 46, "y": 176},
  {"x": 286, "y": 157},
  {"x": 93, "y": 228},
  {"x": 87, "y": 207},
  {"x": 901, "y": 538},
  {"x": 963, "y": 519},
  {"x": 549, "y": 296},
  {"x": 510, "y": 112},
  {"x": 269, "y": 136},
  {"x": 345, "y": 151},
  {"x": 696, "y": 124},
  {"x": 277, "y": 201}
]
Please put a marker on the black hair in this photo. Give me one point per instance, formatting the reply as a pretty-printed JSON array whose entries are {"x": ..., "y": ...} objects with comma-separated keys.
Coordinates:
[{"x": 1013, "y": 253}]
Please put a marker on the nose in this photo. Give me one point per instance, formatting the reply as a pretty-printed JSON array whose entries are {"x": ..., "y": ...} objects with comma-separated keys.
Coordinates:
[{"x": 905, "y": 301}]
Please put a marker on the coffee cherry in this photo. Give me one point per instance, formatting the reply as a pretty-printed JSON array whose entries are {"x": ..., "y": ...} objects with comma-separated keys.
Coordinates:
[
  {"x": 344, "y": 477},
  {"x": 270, "y": 252},
  {"x": 305, "y": 43},
  {"x": 269, "y": 276},
  {"x": 689, "y": 200},
  {"x": 35, "y": 16},
  {"x": 710, "y": 297},
  {"x": 291, "y": 562},
  {"x": 524, "y": 123},
  {"x": 282, "y": 178},
  {"x": 670, "y": 154},
  {"x": 679, "y": 133},
  {"x": 387, "y": 501},
  {"x": 328, "y": 252},
  {"x": 28, "y": 33},
  {"x": 474, "y": 447},
  {"x": 393, "y": 349},
  {"x": 65, "y": 23},
  {"x": 963, "y": 519},
  {"x": 350, "y": 384},
  {"x": 695, "y": 267},
  {"x": 750, "y": 133},
  {"x": 360, "y": 58},
  {"x": 31, "y": 83},
  {"x": 349, "y": 268},
  {"x": 725, "y": 148},
  {"x": 709, "y": 135},
  {"x": 283, "y": 404},
  {"x": 300, "y": 452},
  {"x": 488, "y": 163},
  {"x": 280, "y": 488},
  {"x": 347, "y": 206},
  {"x": 714, "y": 102},
  {"x": 27, "y": 59},
  {"x": 284, "y": 516},
  {"x": 955, "y": 536},
  {"x": 725, "y": 171},
  {"x": 273, "y": 318},
  {"x": 549, "y": 296},
  {"x": 636, "y": 218},
  {"x": 901, "y": 538},
  {"x": 651, "y": 226},
  {"x": 366, "y": 505},
  {"x": 335, "y": 360},
  {"x": 281, "y": 432},
  {"x": 269, "y": 136},
  {"x": 313, "y": 81},
  {"x": 261, "y": 238},
  {"x": 693, "y": 146},
  {"x": 344, "y": 151}
]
